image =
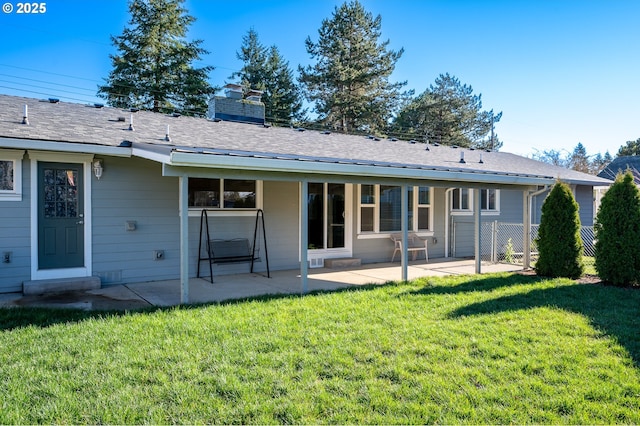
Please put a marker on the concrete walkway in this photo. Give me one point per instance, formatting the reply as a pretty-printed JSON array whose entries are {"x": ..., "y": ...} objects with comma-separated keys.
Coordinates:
[{"x": 241, "y": 286}]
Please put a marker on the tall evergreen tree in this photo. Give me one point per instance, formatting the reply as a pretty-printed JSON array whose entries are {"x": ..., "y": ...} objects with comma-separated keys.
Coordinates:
[
  {"x": 618, "y": 233},
  {"x": 153, "y": 67},
  {"x": 579, "y": 160},
  {"x": 449, "y": 113},
  {"x": 560, "y": 246},
  {"x": 266, "y": 70},
  {"x": 599, "y": 162},
  {"x": 349, "y": 83},
  {"x": 631, "y": 148}
]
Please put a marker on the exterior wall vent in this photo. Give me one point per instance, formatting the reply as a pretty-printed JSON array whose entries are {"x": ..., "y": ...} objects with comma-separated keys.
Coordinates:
[{"x": 317, "y": 262}]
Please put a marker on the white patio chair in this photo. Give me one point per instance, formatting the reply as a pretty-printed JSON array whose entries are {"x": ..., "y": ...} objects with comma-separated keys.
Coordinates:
[{"x": 415, "y": 244}]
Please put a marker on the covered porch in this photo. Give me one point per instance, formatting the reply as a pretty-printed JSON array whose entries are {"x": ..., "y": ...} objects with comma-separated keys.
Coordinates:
[{"x": 248, "y": 285}]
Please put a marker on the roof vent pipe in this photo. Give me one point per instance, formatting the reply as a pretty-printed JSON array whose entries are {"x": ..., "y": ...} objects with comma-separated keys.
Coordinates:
[
  {"x": 462, "y": 157},
  {"x": 25, "y": 117},
  {"x": 481, "y": 162},
  {"x": 167, "y": 137},
  {"x": 131, "y": 123}
]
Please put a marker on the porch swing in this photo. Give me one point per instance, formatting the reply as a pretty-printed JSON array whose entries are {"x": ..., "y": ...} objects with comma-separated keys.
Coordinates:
[{"x": 235, "y": 250}]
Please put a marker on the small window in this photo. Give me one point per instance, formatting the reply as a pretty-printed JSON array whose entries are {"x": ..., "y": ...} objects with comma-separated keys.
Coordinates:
[
  {"x": 6, "y": 175},
  {"x": 11, "y": 175},
  {"x": 460, "y": 199},
  {"x": 489, "y": 199},
  {"x": 222, "y": 193}
]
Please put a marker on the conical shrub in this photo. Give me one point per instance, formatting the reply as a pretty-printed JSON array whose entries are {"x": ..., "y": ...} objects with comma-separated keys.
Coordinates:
[
  {"x": 560, "y": 247},
  {"x": 617, "y": 229}
]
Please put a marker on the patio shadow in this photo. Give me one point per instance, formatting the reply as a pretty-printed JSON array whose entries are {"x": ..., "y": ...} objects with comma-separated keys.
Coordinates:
[
  {"x": 23, "y": 316},
  {"x": 482, "y": 283}
]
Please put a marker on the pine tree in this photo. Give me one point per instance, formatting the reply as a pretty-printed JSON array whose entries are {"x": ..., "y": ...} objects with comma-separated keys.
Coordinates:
[
  {"x": 349, "y": 83},
  {"x": 579, "y": 160},
  {"x": 264, "y": 69},
  {"x": 631, "y": 148},
  {"x": 617, "y": 228},
  {"x": 448, "y": 113},
  {"x": 152, "y": 69},
  {"x": 559, "y": 243}
]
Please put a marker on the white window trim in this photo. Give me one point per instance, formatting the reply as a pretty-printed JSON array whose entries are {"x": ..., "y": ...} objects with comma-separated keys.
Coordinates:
[
  {"x": 16, "y": 157},
  {"x": 221, "y": 211},
  {"x": 331, "y": 253},
  {"x": 376, "y": 233},
  {"x": 469, "y": 211}
]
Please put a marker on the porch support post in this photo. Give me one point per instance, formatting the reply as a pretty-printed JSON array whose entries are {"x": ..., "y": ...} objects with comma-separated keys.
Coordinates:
[
  {"x": 183, "y": 198},
  {"x": 304, "y": 236},
  {"x": 526, "y": 229},
  {"x": 478, "y": 223},
  {"x": 404, "y": 224}
]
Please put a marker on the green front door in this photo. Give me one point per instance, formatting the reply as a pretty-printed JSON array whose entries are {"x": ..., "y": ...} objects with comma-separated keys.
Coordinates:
[{"x": 60, "y": 216}]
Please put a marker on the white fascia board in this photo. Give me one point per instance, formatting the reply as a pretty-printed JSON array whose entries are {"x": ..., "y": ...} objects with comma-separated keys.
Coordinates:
[
  {"x": 323, "y": 168},
  {"x": 150, "y": 155},
  {"x": 42, "y": 145}
]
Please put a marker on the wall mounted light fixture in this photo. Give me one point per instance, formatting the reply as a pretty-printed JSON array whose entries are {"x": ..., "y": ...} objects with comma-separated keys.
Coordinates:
[{"x": 97, "y": 167}]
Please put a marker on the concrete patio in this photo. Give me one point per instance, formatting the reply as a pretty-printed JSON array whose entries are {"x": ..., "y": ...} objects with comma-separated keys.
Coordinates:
[{"x": 241, "y": 286}]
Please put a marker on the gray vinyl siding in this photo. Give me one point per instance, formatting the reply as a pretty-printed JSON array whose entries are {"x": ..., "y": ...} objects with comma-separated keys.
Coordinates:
[
  {"x": 15, "y": 237},
  {"x": 134, "y": 189},
  {"x": 584, "y": 197},
  {"x": 281, "y": 220}
]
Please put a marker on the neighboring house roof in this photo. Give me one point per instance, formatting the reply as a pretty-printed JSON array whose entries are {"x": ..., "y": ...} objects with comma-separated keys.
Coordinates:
[
  {"x": 620, "y": 165},
  {"x": 199, "y": 142}
]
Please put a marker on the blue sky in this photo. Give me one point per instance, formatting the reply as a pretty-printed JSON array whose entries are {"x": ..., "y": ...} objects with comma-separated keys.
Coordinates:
[{"x": 562, "y": 71}]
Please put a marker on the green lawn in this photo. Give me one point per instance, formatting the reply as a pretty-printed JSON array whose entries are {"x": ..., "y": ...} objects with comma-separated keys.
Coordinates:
[{"x": 490, "y": 349}]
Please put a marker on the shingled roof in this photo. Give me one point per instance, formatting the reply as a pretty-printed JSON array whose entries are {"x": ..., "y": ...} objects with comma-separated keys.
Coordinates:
[
  {"x": 104, "y": 126},
  {"x": 621, "y": 165}
]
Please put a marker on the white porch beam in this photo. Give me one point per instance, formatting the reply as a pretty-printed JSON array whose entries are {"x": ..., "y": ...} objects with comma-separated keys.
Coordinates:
[
  {"x": 404, "y": 224},
  {"x": 183, "y": 197},
  {"x": 304, "y": 236},
  {"x": 478, "y": 228}
]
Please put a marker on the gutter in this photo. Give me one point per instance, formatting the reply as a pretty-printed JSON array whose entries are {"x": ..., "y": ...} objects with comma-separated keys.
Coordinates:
[
  {"x": 57, "y": 146},
  {"x": 307, "y": 167}
]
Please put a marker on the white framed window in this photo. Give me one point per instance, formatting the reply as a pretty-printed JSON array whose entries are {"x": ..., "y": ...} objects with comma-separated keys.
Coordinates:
[
  {"x": 380, "y": 209},
  {"x": 11, "y": 175},
  {"x": 490, "y": 200},
  {"x": 462, "y": 200},
  {"x": 225, "y": 194}
]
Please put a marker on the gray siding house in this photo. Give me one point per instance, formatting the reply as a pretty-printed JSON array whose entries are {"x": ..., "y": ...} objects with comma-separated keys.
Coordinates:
[{"x": 92, "y": 191}]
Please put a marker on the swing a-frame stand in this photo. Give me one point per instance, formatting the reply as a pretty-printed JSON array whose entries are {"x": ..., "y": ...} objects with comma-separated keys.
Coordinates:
[{"x": 231, "y": 251}]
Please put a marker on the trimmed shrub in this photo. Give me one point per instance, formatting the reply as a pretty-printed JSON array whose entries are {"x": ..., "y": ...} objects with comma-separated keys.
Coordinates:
[
  {"x": 559, "y": 244},
  {"x": 617, "y": 229}
]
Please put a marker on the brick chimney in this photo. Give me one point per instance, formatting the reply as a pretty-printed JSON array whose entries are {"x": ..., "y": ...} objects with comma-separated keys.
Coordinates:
[{"x": 234, "y": 107}]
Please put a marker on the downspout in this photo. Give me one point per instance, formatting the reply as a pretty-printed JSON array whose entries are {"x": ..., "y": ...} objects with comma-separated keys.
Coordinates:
[
  {"x": 447, "y": 216},
  {"x": 527, "y": 213}
]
